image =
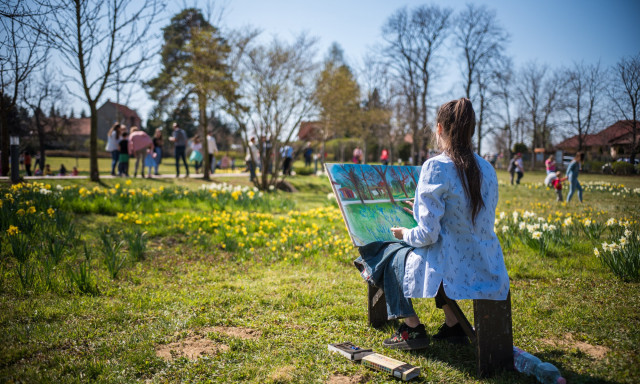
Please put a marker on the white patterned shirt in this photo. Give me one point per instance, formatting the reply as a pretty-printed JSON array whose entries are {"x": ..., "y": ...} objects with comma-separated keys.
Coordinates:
[{"x": 466, "y": 258}]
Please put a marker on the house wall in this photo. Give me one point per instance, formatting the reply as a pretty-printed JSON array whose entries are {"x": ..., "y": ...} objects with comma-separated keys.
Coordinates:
[{"x": 106, "y": 118}]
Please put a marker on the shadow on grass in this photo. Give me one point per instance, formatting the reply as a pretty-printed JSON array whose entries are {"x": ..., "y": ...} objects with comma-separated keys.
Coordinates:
[{"x": 463, "y": 359}]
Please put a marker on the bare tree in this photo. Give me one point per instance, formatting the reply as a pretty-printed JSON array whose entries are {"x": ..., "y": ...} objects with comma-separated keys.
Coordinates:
[
  {"x": 539, "y": 94},
  {"x": 502, "y": 92},
  {"x": 21, "y": 53},
  {"x": 275, "y": 96},
  {"x": 101, "y": 42},
  {"x": 482, "y": 41},
  {"x": 625, "y": 95},
  {"x": 585, "y": 85},
  {"x": 412, "y": 42},
  {"x": 41, "y": 95}
]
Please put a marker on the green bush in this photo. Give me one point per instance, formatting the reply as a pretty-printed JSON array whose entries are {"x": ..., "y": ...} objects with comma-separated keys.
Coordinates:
[
  {"x": 520, "y": 148},
  {"x": 303, "y": 171},
  {"x": 594, "y": 166},
  {"x": 622, "y": 168}
]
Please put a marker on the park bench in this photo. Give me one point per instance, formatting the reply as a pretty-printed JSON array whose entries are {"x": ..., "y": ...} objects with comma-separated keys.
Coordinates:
[
  {"x": 491, "y": 334},
  {"x": 369, "y": 194}
]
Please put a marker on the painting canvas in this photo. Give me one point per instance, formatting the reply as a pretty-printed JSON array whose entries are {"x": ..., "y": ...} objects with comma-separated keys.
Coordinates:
[{"x": 371, "y": 198}]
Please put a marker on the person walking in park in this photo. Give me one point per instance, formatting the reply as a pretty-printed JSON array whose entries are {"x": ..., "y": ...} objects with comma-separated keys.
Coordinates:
[
  {"x": 123, "y": 158},
  {"x": 357, "y": 155},
  {"x": 139, "y": 144},
  {"x": 384, "y": 156},
  {"x": 252, "y": 158},
  {"x": 573, "y": 170},
  {"x": 113, "y": 141},
  {"x": 557, "y": 184},
  {"x": 287, "y": 154},
  {"x": 516, "y": 167},
  {"x": 453, "y": 251},
  {"x": 550, "y": 164},
  {"x": 196, "y": 153},
  {"x": 179, "y": 139},
  {"x": 307, "y": 154},
  {"x": 27, "y": 163},
  {"x": 157, "y": 148},
  {"x": 213, "y": 150}
]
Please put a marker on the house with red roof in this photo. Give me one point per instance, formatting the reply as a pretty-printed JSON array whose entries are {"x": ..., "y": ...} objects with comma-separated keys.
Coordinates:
[
  {"x": 614, "y": 141},
  {"x": 111, "y": 112}
]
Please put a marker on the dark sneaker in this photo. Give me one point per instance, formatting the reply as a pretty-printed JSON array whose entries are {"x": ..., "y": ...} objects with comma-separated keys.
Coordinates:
[
  {"x": 407, "y": 338},
  {"x": 453, "y": 335}
]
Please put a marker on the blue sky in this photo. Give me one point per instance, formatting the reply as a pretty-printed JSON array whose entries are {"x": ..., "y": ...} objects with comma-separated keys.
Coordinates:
[
  {"x": 556, "y": 32},
  {"x": 553, "y": 32}
]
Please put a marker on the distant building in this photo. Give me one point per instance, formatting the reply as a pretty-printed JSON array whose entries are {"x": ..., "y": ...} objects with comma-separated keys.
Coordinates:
[
  {"x": 66, "y": 133},
  {"x": 111, "y": 112},
  {"x": 614, "y": 141}
]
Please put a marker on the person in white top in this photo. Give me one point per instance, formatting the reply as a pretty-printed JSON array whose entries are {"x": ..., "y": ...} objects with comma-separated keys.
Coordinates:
[
  {"x": 457, "y": 253},
  {"x": 113, "y": 138},
  {"x": 213, "y": 149},
  {"x": 196, "y": 152},
  {"x": 252, "y": 158}
]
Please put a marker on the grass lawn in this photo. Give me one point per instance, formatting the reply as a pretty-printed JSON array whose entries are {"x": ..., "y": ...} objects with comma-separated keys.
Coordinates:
[{"x": 235, "y": 286}]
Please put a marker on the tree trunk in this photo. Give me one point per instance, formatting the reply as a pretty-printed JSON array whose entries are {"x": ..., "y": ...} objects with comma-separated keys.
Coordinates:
[
  {"x": 202, "y": 105},
  {"x": 4, "y": 160},
  {"x": 40, "y": 130},
  {"x": 93, "y": 144}
]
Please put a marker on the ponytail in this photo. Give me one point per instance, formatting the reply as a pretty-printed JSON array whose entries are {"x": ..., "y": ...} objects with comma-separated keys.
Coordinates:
[{"x": 458, "y": 121}]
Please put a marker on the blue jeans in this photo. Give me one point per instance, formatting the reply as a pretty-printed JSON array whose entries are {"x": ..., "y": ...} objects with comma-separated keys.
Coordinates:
[
  {"x": 114, "y": 160},
  {"x": 252, "y": 169},
  {"x": 180, "y": 153},
  {"x": 574, "y": 185},
  {"x": 382, "y": 264},
  {"x": 158, "y": 151}
]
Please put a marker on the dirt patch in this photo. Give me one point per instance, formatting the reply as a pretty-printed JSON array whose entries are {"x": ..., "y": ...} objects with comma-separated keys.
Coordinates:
[
  {"x": 191, "y": 347},
  {"x": 197, "y": 343},
  {"x": 341, "y": 379},
  {"x": 596, "y": 351}
]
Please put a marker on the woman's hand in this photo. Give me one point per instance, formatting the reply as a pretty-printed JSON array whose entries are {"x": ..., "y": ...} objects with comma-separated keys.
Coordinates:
[
  {"x": 398, "y": 232},
  {"x": 409, "y": 203}
]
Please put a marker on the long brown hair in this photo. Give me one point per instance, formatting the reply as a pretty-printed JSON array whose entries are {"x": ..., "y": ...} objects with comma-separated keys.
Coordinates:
[{"x": 458, "y": 121}]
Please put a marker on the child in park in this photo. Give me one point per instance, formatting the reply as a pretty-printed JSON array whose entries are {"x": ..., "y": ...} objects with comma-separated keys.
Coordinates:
[
  {"x": 557, "y": 184},
  {"x": 150, "y": 161},
  {"x": 123, "y": 159},
  {"x": 453, "y": 251}
]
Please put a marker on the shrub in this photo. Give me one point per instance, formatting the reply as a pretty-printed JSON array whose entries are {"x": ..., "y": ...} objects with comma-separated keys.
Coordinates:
[
  {"x": 304, "y": 171},
  {"x": 520, "y": 148},
  {"x": 622, "y": 168}
]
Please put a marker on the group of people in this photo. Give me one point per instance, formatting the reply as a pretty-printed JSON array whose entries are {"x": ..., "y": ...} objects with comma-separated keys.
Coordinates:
[
  {"x": 41, "y": 169},
  {"x": 254, "y": 162},
  {"x": 554, "y": 177},
  {"x": 136, "y": 144},
  {"x": 147, "y": 150}
]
